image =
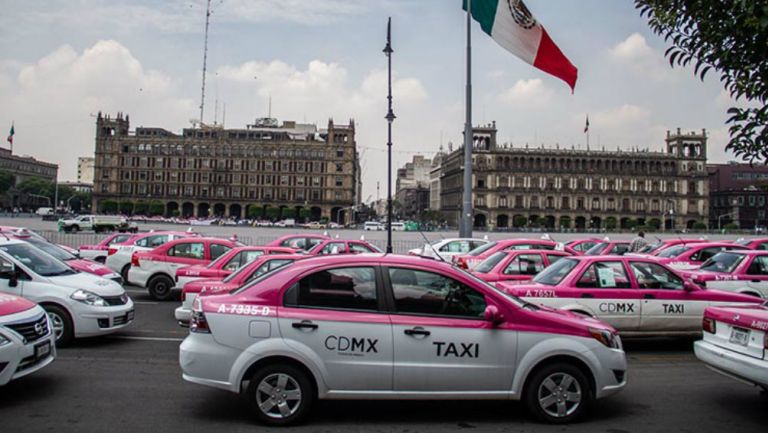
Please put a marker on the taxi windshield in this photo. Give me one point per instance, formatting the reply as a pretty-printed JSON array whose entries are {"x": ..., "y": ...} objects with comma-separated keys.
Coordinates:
[
  {"x": 488, "y": 264},
  {"x": 262, "y": 277},
  {"x": 650, "y": 247},
  {"x": 556, "y": 272},
  {"x": 596, "y": 249},
  {"x": 743, "y": 242},
  {"x": 483, "y": 248},
  {"x": 724, "y": 262},
  {"x": 54, "y": 250},
  {"x": 36, "y": 260},
  {"x": 222, "y": 258},
  {"x": 673, "y": 251}
]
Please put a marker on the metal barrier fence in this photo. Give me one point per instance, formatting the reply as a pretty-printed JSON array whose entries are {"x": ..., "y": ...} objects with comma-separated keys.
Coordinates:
[{"x": 74, "y": 240}]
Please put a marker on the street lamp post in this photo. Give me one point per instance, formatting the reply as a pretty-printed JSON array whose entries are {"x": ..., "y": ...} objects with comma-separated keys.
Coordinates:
[
  {"x": 719, "y": 219},
  {"x": 390, "y": 118}
]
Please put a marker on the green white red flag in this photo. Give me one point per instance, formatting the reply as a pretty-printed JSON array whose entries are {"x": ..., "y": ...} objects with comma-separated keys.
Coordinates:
[
  {"x": 511, "y": 25},
  {"x": 10, "y": 134}
]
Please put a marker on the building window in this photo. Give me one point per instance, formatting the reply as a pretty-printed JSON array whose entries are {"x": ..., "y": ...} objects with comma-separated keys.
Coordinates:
[
  {"x": 534, "y": 202},
  {"x": 580, "y": 203},
  {"x": 340, "y": 153},
  {"x": 565, "y": 203},
  {"x": 339, "y": 181},
  {"x": 481, "y": 182},
  {"x": 518, "y": 201},
  {"x": 339, "y": 168},
  {"x": 550, "y": 202},
  {"x": 480, "y": 200},
  {"x": 315, "y": 195},
  {"x": 503, "y": 201},
  {"x": 595, "y": 203}
]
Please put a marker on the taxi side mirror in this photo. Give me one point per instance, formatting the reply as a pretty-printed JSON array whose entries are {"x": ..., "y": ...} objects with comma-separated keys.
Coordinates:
[
  {"x": 493, "y": 315},
  {"x": 8, "y": 271}
]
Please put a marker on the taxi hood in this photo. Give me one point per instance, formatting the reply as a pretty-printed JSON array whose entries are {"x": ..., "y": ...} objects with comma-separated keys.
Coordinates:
[
  {"x": 92, "y": 283},
  {"x": 90, "y": 267},
  {"x": 10, "y": 304}
]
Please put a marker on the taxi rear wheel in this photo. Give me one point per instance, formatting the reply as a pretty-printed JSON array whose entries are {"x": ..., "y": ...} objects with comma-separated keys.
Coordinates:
[
  {"x": 281, "y": 394},
  {"x": 160, "y": 287},
  {"x": 61, "y": 324},
  {"x": 124, "y": 271},
  {"x": 558, "y": 393}
]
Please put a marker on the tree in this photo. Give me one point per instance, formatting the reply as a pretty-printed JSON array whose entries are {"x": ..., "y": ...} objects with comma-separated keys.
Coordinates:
[
  {"x": 6, "y": 181},
  {"x": 108, "y": 206},
  {"x": 610, "y": 223},
  {"x": 156, "y": 208},
  {"x": 255, "y": 211},
  {"x": 731, "y": 38},
  {"x": 519, "y": 221},
  {"x": 126, "y": 207}
]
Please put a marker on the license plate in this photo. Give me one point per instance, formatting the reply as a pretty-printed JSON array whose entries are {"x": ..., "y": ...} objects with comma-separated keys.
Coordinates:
[
  {"x": 739, "y": 336},
  {"x": 42, "y": 350}
]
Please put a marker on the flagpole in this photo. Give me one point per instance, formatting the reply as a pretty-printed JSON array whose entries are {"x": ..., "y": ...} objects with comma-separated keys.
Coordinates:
[
  {"x": 465, "y": 229},
  {"x": 390, "y": 118}
]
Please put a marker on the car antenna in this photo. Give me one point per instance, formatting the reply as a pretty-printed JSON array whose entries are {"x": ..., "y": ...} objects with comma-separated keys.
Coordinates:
[{"x": 430, "y": 246}]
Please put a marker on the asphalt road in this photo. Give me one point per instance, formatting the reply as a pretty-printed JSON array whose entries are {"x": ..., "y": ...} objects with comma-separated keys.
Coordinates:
[{"x": 131, "y": 382}]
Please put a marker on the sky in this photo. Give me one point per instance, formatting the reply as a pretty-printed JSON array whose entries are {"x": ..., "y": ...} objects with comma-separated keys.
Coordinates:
[{"x": 63, "y": 61}]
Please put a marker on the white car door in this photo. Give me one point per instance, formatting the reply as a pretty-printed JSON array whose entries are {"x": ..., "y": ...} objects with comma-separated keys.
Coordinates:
[
  {"x": 334, "y": 316},
  {"x": 442, "y": 342}
]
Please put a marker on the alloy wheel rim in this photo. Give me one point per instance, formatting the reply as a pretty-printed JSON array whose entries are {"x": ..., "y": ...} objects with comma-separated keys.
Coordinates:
[
  {"x": 58, "y": 325},
  {"x": 278, "y": 396},
  {"x": 559, "y": 395}
]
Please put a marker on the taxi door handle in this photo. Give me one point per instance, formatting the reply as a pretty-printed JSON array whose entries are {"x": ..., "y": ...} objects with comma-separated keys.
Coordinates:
[
  {"x": 649, "y": 296},
  {"x": 587, "y": 295},
  {"x": 417, "y": 331},
  {"x": 304, "y": 325}
]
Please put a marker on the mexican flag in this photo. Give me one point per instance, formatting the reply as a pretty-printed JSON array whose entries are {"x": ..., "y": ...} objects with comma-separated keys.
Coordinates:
[
  {"x": 10, "y": 135},
  {"x": 511, "y": 25}
]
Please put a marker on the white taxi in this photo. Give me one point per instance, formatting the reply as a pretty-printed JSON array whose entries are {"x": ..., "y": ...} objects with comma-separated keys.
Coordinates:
[
  {"x": 119, "y": 255},
  {"x": 373, "y": 326},
  {"x": 78, "y": 304},
  {"x": 26, "y": 341}
]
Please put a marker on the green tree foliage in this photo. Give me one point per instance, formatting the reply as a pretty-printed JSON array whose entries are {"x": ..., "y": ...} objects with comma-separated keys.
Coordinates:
[
  {"x": 255, "y": 211},
  {"x": 610, "y": 223},
  {"x": 108, "y": 206},
  {"x": 699, "y": 226},
  {"x": 565, "y": 221},
  {"x": 519, "y": 221},
  {"x": 156, "y": 208},
  {"x": 729, "y": 37},
  {"x": 655, "y": 223},
  {"x": 6, "y": 181},
  {"x": 126, "y": 207}
]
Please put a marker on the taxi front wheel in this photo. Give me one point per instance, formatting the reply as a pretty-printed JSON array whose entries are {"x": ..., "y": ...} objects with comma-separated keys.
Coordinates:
[
  {"x": 281, "y": 394},
  {"x": 558, "y": 393}
]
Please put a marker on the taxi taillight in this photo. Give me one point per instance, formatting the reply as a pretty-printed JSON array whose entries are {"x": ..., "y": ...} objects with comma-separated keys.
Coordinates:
[
  {"x": 765, "y": 340},
  {"x": 135, "y": 260},
  {"x": 709, "y": 325},
  {"x": 198, "y": 323},
  {"x": 111, "y": 251}
]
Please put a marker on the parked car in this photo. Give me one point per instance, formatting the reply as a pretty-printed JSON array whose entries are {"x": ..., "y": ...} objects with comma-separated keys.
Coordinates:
[
  {"x": 119, "y": 254},
  {"x": 78, "y": 304},
  {"x": 374, "y": 226},
  {"x": 607, "y": 247},
  {"x": 740, "y": 271},
  {"x": 339, "y": 246},
  {"x": 471, "y": 259},
  {"x": 754, "y": 243},
  {"x": 661, "y": 244},
  {"x": 448, "y": 248},
  {"x": 635, "y": 295},
  {"x": 442, "y": 334},
  {"x": 27, "y": 341},
  {"x": 691, "y": 256},
  {"x": 156, "y": 269},
  {"x": 735, "y": 343},
  {"x": 99, "y": 251},
  {"x": 98, "y": 223},
  {"x": 581, "y": 246},
  {"x": 516, "y": 265},
  {"x": 239, "y": 278},
  {"x": 227, "y": 263},
  {"x": 298, "y": 241}
]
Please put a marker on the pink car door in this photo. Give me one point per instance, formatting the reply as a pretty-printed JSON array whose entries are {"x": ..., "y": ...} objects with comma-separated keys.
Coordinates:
[{"x": 186, "y": 254}]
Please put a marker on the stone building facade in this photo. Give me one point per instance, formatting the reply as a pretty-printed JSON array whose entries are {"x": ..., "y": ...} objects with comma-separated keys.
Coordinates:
[
  {"x": 263, "y": 171},
  {"x": 23, "y": 168},
  {"x": 412, "y": 187},
  {"x": 738, "y": 194},
  {"x": 580, "y": 189}
]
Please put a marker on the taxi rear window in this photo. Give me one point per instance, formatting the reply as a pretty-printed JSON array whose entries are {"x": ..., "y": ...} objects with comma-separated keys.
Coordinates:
[
  {"x": 481, "y": 249},
  {"x": 488, "y": 264},
  {"x": 556, "y": 272},
  {"x": 722, "y": 262},
  {"x": 673, "y": 251}
]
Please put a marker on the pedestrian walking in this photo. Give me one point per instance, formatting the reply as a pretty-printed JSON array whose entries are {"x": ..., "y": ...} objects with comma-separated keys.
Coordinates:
[{"x": 638, "y": 243}]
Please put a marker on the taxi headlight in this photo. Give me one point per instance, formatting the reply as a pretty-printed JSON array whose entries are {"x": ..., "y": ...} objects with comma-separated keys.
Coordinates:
[
  {"x": 89, "y": 298},
  {"x": 608, "y": 338}
]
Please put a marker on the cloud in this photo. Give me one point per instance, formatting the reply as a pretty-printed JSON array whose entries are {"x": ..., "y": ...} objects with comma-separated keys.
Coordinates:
[
  {"x": 623, "y": 116},
  {"x": 52, "y": 100},
  {"x": 635, "y": 54},
  {"x": 531, "y": 93}
]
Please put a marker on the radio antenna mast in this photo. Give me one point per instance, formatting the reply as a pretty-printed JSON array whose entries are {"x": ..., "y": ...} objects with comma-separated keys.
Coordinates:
[{"x": 205, "y": 59}]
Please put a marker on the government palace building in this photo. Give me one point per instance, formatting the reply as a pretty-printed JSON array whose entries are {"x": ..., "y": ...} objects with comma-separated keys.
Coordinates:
[
  {"x": 515, "y": 187},
  {"x": 263, "y": 171}
]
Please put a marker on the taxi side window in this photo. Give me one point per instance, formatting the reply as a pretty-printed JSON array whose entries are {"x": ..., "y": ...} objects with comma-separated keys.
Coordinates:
[
  {"x": 341, "y": 288},
  {"x": 584, "y": 246},
  {"x": 311, "y": 242},
  {"x": 334, "y": 248},
  {"x": 605, "y": 275},
  {"x": 266, "y": 267},
  {"x": 759, "y": 266},
  {"x": 653, "y": 276},
  {"x": 189, "y": 250},
  {"x": 619, "y": 249},
  {"x": 118, "y": 239},
  {"x": 553, "y": 258},
  {"x": 706, "y": 253},
  {"x": 299, "y": 243},
  {"x": 525, "y": 264},
  {"x": 455, "y": 247},
  {"x": 358, "y": 248},
  {"x": 235, "y": 262},
  {"x": 762, "y": 246},
  {"x": 427, "y": 293},
  {"x": 217, "y": 250},
  {"x": 152, "y": 241}
]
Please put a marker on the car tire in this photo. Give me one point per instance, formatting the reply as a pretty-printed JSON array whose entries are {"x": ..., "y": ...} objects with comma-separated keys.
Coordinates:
[
  {"x": 102, "y": 260},
  {"x": 558, "y": 393},
  {"x": 124, "y": 272},
  {"x": 62, "y": 324},
  {"x": 281, "y": 407},
  {"x": 75, "y": 229},
  {"x": 160, "y": 287}
]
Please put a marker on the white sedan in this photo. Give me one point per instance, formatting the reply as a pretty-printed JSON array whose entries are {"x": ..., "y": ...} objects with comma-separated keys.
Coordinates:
[{"x": 447, "y": 248}]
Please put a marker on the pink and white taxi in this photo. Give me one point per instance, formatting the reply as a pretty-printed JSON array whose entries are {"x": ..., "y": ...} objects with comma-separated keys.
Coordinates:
[
  {"x": 155, "y": 270},
  {"x": 516, "y": 265},
  {"x": 754, "y": 243},
  {"x": 81, "y": 265},
  {"x": 78, "y": 304},
  {"x": 119, "y": 254},
  {"x": 300, "y": 241},
  {"x": 662, "y": 244},
  {"x": 686, "y": 257},
  {"x": 373, "y": 326},
  {"x": 27, "y": 343},
  {"x": 581, "y": 246},
  {"x": 340, "y": 246},
  {"x": 608, "y": 247},
  {"x": 227, "y": 263},
  {"x": 99, "y": 251},
  {"x": 741, "y": 271},
  {"x": 474, "y": 257},
  {"x": 637, "y": 296},
  {"x": 736, "y": 343},
  {"x": 254, "y": 269}
]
